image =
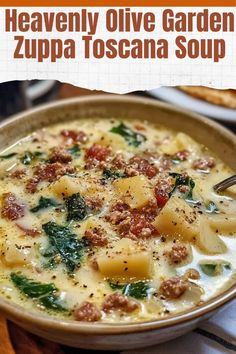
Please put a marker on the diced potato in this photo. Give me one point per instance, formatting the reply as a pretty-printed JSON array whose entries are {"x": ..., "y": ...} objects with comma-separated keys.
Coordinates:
[
  {"x": 180, "y": 142},
  {"x": 225, "y": 224},
  {"x": 15, "y": 256},
  {"x": 67, "y": 186},
  {"x": 184, "y": 141},
  {"x": 125, "y": 261},
  {"x": 177, "y": 219},
  {"x": 207, "y": 240},
  {"x": 135, "y": 191},
  {"x": 92, "y": 223},
  {"x": 115, "y": 141},
  {"x": 170, "y": 147}
]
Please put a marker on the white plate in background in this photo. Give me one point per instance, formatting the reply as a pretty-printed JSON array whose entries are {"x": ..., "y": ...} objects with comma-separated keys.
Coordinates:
[
  {"x": 182, "y": 99},
  {"x": 38, "y": 88}
]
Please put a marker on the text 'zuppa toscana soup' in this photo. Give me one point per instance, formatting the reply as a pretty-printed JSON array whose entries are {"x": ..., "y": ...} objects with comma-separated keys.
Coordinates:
[{"x": 108, "y": 220}]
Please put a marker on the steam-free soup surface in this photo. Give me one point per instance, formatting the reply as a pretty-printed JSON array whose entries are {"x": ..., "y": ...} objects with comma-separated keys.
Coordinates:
[{"x": 108, "y": 220}]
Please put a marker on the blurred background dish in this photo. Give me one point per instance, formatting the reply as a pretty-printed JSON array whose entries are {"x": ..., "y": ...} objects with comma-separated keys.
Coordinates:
[
  {"x": 16, "y": 96},
  {"x": 226, "y": 98},
  {"x": 189, "y": 98}
]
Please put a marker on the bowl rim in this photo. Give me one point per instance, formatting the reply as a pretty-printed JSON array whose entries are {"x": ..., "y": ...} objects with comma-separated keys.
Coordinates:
[{"x": 18, "y": 313}]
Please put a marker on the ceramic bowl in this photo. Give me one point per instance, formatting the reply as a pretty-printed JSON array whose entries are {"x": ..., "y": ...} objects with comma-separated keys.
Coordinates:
[{"x": 118, "y": 336}]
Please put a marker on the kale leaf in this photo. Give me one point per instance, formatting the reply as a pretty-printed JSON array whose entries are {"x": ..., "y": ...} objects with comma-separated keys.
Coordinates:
[
  {"x": 111, "y": 174},
  {"x": 63, "y": 247},
  {"x": 129, "y": 135},
  {"x": 138, "y": 290},
  {"x": 116, "y": 286},
  {"x": 214, "y": 269},
  {"x": 74, "y": 150},
  {"x": 29, "y": 157},
  {"x": 209, "y": 269},
  {"x": 175, "y": 160},
  {"x": 182, "y": 180},
  {"x": 8, "y": 156},
  {"x": 46, "y": 294},
  {"x": 76, "y": 207},
  {"x": 44, "y": 203}
]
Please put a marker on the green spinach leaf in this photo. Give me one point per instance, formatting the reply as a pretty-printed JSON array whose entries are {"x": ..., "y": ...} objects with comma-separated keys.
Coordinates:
[
  {"x": 175, "y": 160},
  {"x": 8, "y": 156},
  {"x": 63, "y": 247},
  {"x": 44, "y": 203},
  {"x": 129, "y": 135},
  {"x": 111, "y": 174},
  {"x": 182, "y": 180},
  {"x": 214, "y": 269},
  {"x": 116, "y": 286},
  {"x": 76, "y": 207},
  {"x": 138, "y": 290},
  {"x": 29, "y": 157},
  {"x": 46, "y": 294},
  {"x": 74, "y": 150}
]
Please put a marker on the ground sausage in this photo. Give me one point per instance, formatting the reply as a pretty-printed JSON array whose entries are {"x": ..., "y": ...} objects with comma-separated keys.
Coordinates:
[
  {"x": 204, "y": 163},
  {"x": 96, "y": 237},
  {"x": 87, "y": 312},
  {"x": 118, "y": 162},
  {"x": 192, "y": 273},
  {"x": 118, "y": 213},
  {"x": 135, "y": 223},
  {"x": 182, "y": 155},
  {"x": 164, "y": 163},
  {"x": 18, "y": 173},
  {"x": 94, "y": 203},
  {"x": 177, "y": 254},
  {"x": 47, "y": 172},
  {"x": 58, "y": 154},
  {"x": 162, "y": 190},
  {"x": 142, "y": 165},
  {"x": 173, "y": 287},
  {"x": 117, "y": 301},
  {"x": 12, "y": 209},
  {"x": 74, "y": 136},
  {"x": 96, "y": 156},
  {"x": 136, "y": 226}
]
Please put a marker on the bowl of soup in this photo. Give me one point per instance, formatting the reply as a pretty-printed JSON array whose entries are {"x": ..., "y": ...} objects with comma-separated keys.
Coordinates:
[{"x": 111, "y": 235}]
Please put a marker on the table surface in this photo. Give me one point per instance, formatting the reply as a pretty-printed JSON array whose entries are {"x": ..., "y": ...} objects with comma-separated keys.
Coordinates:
[{"x": 14, "y": 340}]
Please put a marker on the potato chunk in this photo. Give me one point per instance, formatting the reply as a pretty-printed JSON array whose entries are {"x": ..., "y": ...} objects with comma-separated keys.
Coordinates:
[
  {"x": 181, "y": 142},
  {"x": 177, "y": 219},
  {"x": 207, "y": 240},
  {"x": 66, "y": 186},
  {"x": 92, "y": 222},
  {"x": 16, "y": 256},
  {"x": 125, "y": 261},
  {"x": 115, "y": 141},
  {"x": 135, "y": 191},
  {"x": 225, "y": 224}
]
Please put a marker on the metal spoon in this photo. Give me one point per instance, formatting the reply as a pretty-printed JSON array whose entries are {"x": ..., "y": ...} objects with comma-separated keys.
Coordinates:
[{"x": 226, "y": 183}]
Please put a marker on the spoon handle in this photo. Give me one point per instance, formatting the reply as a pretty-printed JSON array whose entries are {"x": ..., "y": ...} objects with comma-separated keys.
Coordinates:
[{"x": 228, "y": 182}]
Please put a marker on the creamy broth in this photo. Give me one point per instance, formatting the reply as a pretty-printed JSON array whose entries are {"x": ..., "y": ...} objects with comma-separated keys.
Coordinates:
[{"x": 108, "y": 220}]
